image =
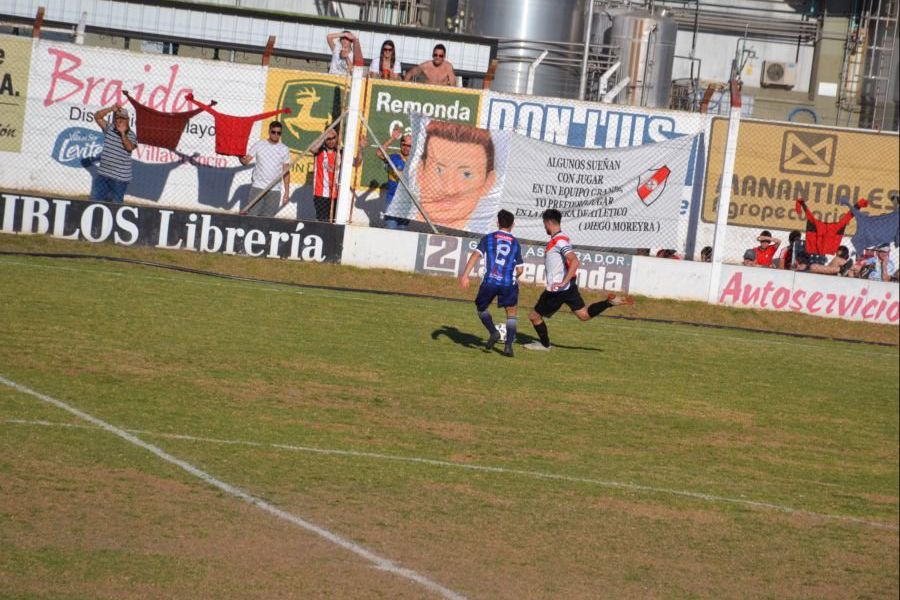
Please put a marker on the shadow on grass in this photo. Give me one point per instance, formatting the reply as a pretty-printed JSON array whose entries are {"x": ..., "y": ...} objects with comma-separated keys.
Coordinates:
[{"x": 468, "y": 340}]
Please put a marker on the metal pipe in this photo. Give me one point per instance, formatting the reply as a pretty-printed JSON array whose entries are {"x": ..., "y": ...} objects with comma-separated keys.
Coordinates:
[
  {"x": 611, "y": 95},
  {"x": 582, "y": 85},
  {"x": 648, "y": 61},
  {"x": 604, "y": 79},
  {"x": 529, "y": 86}
]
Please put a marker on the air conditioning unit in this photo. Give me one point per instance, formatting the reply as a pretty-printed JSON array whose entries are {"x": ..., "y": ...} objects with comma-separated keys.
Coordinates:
[{"x": 776, "y": 73}]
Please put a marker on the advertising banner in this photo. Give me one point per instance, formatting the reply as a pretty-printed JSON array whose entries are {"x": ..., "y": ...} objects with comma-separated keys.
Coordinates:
[
  {"x": 622, "y": 198},
  {"x": 389, "y": 104},
  {"x": 820, "y": 295},
  {"x": 316, "y": 100},
  {"x": 15, "y": 61},
  {"x": 777, "y": 163},
  {"x": 447, "y": 255},
  {"x": 68, "y": 83},
  {"x": 129, "y": 225},
  {"x": 586, "y": 124}
]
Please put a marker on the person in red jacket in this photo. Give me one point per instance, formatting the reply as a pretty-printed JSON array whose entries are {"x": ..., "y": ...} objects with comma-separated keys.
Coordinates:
[
  {"x": 823, "y": 238},
  {"x": 764, "y": 254}
]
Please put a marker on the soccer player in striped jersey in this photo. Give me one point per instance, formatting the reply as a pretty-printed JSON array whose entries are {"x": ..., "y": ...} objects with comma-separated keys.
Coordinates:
[
  {"x": 560, "y": 268},
  {"x": 503, "y": 265}
]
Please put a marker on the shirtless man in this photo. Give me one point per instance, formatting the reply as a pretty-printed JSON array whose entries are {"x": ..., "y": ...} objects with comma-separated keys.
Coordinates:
[{"x": 437, "y": 71}]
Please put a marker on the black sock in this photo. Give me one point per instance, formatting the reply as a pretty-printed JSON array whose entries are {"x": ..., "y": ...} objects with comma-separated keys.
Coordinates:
[
  {"x": 487, "y": 320},
  {"x": 511, "y": 323},
  {"x": 541, "y": 329},
  {"x": 598, "y": 307}
]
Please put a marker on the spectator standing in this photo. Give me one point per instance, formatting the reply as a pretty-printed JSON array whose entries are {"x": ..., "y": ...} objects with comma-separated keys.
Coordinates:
[
  {"x": 880, "y": 267},
  {"x": 437, "y": 71},
  {"x": 386, "y": 66},
  {"x": 764, "y": 254},
  {"x": 706, "y": 254},
  {"x": 345, "y": 52},
  {"x": 119, "y": 141},
  {"x": 325, "y": 169},
  {"x": 273, "y": 161},
  {"x": 399, "y": 162},
  {"x": 503, "y": 265}
]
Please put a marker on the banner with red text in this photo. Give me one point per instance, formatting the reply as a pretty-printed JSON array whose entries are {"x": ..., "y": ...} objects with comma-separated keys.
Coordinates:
[{"x": 60, "y": 143}]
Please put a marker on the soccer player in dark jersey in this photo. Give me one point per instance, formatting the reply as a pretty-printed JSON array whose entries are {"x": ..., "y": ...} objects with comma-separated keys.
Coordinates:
[
  {"x": 502, "y": 267},
  {"x": 560, "y": 269}
]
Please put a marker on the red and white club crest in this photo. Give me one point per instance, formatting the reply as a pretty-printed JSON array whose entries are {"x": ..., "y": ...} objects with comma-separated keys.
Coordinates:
[{"x": 652, "y": 184}]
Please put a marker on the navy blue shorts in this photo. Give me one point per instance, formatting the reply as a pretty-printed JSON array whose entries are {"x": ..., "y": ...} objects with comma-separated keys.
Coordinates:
[{"x": 506, "y": 295}]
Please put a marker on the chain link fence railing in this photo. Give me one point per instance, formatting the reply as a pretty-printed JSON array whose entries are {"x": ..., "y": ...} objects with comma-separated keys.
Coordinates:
[
  {"x": 669, "y": 172},
  {"x": 830, "y": 169}
]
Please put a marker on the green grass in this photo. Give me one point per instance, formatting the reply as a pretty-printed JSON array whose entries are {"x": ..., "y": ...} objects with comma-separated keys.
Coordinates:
[{"x": 594, "y": 439}]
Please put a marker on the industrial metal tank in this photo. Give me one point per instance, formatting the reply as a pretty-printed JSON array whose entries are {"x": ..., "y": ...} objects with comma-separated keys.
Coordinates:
[
  {"x": 646, "y": 45},
  {"x": 526, "y": 28}
]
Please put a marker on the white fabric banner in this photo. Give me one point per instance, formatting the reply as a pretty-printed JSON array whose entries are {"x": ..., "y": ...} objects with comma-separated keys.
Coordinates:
[{"x": 618, "y": 198}]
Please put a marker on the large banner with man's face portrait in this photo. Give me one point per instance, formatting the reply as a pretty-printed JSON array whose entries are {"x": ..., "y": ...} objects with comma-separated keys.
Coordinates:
[{"x": 460, "y": 177}]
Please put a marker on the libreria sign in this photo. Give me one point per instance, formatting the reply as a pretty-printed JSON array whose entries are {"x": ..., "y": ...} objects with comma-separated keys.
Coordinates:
[{"x": 170, "y": 229}]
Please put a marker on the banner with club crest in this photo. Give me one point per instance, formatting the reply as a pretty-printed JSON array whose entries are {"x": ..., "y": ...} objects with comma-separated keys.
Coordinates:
[{"x": 461, "y": 176}]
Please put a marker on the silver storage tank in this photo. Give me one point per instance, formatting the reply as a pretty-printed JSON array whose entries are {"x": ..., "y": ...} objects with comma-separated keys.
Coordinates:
[
  {"x": 433, "y": 13},
  {"x": 646, "y": 45},
  {"x": 532, "y": 25}
]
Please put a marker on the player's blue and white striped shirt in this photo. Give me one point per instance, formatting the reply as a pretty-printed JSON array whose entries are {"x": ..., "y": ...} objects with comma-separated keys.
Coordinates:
[
  {"x": 115, "y": 160},
  {"x": 502, "y": 254}
]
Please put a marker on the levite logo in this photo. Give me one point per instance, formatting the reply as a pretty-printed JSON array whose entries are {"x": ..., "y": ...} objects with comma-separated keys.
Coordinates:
[
  {"x": 808, "y": 153},
  {"x": 77, "y": 144},
  {"x": 314, "y": 104}
]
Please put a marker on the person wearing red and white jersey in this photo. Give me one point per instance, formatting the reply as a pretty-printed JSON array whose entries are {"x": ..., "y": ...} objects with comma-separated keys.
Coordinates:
[
  {"x": 560, "y": 269},
  {"x": 325, "y": 172}
]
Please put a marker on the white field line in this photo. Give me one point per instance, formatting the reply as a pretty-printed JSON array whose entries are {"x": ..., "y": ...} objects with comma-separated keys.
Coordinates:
[
  {"x": 682, "y": 330},
  {"x": 488, "y": 469},
  {"x": 378, "y": 561}
]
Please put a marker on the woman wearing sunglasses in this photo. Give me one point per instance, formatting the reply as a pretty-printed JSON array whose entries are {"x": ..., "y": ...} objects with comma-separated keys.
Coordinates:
[{"x": 386, "y": 66}]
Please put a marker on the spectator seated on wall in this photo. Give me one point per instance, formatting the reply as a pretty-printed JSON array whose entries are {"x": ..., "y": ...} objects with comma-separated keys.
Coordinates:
[
  {"x": 841, "y": 264},
  {"x": 437, "y": 71},
  {"x": 764, "y": 254},
  {"x": 385, "y": 65},
  {"x": 794, "y": 247},
  {"x": 879, "y": 267}
]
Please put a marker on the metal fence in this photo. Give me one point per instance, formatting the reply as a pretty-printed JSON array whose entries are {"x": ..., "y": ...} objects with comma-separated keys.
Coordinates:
[{"x": 50, "y": 143}]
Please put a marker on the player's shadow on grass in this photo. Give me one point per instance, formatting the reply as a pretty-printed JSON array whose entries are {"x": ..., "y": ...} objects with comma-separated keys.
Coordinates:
[
  {"x": 462, "y": 338},
  {"x": 469, "y": 340}
]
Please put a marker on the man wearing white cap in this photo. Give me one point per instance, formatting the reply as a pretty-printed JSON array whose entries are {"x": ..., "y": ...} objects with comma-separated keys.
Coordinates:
[
  {"x": 119, "y": 141},
  {"x": 880, "y": 267}
]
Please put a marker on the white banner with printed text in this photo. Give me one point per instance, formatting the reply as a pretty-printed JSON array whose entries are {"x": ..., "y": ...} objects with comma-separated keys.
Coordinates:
[{"x": 629, "y": 197}]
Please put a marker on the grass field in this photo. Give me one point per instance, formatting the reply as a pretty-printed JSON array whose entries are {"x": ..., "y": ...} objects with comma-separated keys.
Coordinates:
[{"x": 305, "y": 442}]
